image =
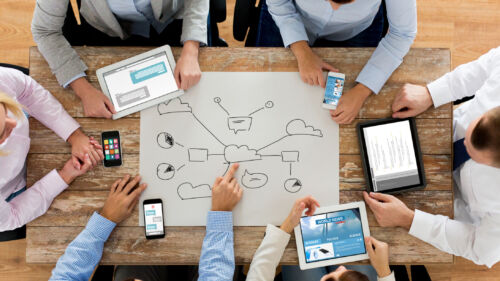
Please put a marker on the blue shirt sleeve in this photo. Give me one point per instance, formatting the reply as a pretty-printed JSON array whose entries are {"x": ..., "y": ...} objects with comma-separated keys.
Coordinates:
[
  {"x": 389, "y": 54},
  {"x": 73, "y": 79},
  {"x": 84, "y": 253},
  {"x": 288, "y": 20},
  {"x": 217, "y": 253}
]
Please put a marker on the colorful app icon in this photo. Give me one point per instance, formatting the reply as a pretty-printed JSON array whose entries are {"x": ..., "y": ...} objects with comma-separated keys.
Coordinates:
[
  {"x": 117, "y": 151},
  {"x": 106, "y": 151},
  {"x": 106, "y": 147},
  {"x": 116, "y": 140},
  {"x": 111, "y": 146},
  {"x": 117, "y": 156},
  {"x": 112, "y": 152},
  {"x": 105, "y": 141},
  {"x": 112, "y": 156},
  {"x": 107, "y": 157}
]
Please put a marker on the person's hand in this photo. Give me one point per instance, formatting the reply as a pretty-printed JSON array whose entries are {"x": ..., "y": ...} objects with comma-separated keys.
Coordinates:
[
  {"x": 298, "y": 208},
  {"x": 187, "y": 71},
  {"x": 310, "y": 65},
  {"x": 379, "y": 256},
  {"x": 122, "y": 198},
  {"x": 389, "y": 210},
  {"x": 350, "y": 103},
  {"x": 411, "y": 101},
  {"x": 226, "y": 192},
  {"x": 95, "y": 103},
  {"x": 82, "y": 145},
  {"x": 69, "y": 172}
]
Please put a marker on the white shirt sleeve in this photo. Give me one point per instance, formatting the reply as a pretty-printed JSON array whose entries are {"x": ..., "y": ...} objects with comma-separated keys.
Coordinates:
[
  {"x": 389, "y": 277},
  {"x": 479, "y": 243},
  {"x": 474, "y": 78},
  {"x": 268, "y": 255}
]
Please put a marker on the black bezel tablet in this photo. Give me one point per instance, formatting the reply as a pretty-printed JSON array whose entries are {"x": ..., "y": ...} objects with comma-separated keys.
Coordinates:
[{"x": 416, "y": 148}]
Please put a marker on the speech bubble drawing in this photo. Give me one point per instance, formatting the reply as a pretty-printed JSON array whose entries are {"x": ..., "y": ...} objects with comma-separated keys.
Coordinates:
[
  {"x": 187, "y": 191},
  {"x": 255, "y": 180},
  {"x": 241, "y": 123}
]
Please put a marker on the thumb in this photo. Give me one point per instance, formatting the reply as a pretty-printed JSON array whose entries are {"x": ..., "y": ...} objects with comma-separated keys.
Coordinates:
[
  {"x": 369, "y": 246},
  {"x": 76, "y": 162},
  {"x": 87, "y": 164},
  {"x": 109, "y": 105},
  {"x": 381, "y": 197},
  {"x": 177, "y": 76},
  {"x": 329, "y": 67},
  {"x": 404, "y": 114}
]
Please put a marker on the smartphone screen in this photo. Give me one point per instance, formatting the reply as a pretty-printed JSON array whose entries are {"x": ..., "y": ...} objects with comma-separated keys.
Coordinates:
[
  {"x": 153, "y": 218},
  {"x": 112, "y": 149},
  {"x": 334, "y": 87}
]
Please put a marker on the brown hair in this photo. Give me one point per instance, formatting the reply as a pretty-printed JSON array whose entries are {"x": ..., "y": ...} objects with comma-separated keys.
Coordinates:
[
  {"x": 486, "y": 134},
  {"x": 10, "y": 105},
  {"x": 351, "y": 275},
  {"x": 342, "y": 1}
]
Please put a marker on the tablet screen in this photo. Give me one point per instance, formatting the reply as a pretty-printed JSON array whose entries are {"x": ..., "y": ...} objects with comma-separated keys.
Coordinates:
[
  {"x": 391, "y": 155},
  {"x": 140, "y": 81},
  {"x": 332, "y": 235}
]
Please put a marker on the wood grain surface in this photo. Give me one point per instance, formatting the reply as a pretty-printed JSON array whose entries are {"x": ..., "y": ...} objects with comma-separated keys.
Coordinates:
[{"x": 49, "y": 235}]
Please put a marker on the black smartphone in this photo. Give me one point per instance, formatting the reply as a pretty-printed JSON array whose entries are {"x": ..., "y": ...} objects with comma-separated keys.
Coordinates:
[
  {"x": 153, "y": 218},
  {"x": 112, "y": 148}
]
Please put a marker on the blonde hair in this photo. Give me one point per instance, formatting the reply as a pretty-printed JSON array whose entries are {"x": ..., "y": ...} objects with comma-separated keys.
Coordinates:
[{"x": 12, "y": 106}]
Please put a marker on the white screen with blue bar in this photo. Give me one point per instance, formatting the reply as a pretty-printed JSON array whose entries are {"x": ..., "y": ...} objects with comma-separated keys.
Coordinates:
[
  {"x": 332, "y": 235},
  {"x": 153, "y": 219},
  {"x": 140, "y": 82}
]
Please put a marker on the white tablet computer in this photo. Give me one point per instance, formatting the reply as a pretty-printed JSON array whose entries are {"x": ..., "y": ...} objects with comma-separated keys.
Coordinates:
[
  {"x": 140, "y": 82},
  {"x": 333, "y": 235}
]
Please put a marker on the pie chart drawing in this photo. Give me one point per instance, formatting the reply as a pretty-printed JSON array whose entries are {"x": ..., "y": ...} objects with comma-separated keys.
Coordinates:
[
  {"x": 293, "y": 185},
  {"x": 165, "y": 171},
  {"x": 165, "y": 140}
]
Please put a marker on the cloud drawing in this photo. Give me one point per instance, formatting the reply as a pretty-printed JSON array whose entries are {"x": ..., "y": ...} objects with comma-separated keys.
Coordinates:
[
  {"x": 173, "y": 106},
  {"x": 187, "y": 191},
  {"x": 234, "y": 153},
  {"x": 299, "y": 127}
]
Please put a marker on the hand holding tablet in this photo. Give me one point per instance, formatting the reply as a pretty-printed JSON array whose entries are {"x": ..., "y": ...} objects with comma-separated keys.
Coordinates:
[{"x": 333, "y": 235}]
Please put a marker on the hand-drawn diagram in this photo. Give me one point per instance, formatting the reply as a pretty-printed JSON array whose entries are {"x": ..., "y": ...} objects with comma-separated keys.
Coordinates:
[
  {"x": 187, "y": 191},
  {"x": 241, "y": 123},
  {"x": 232, "y": 153}
]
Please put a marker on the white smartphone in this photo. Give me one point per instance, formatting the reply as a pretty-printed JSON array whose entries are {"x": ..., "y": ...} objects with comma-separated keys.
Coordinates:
[{"x": 333, "y": 90}]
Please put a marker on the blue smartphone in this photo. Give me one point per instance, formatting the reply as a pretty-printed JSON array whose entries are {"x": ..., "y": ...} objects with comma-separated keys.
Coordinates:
[{"x": 333, "y": 90}]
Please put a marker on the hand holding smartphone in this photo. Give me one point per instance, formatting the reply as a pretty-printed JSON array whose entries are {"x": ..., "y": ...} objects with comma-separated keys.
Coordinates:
[
  {"x": 112, "y": 148},
  {"x": 333, "y": 90}
]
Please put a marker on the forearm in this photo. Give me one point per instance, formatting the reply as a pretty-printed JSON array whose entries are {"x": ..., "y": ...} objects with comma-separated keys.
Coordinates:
[
  {"x": 194, "y": 24},
  {"x": 46, "y": 27},
  {"x": 268, "y": 255},
  {"x": 45, "y": 108},
  {"x": 288, "y": 20},
  {"x": 32, "y": 203},
  {"x": 217, "y": 254},
  {"x": 191, "y": 48},
  {"x": 84, "y": 253}
]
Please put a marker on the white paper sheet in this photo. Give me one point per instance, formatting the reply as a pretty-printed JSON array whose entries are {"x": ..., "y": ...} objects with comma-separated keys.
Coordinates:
[{"x": 272, "y": 123}]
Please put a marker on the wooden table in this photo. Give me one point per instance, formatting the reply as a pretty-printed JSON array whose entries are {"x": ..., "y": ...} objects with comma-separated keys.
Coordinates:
[{"x": 48, "y": 236}]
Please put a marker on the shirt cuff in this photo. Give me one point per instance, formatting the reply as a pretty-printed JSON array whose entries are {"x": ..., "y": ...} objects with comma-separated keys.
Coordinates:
[
  {"x": 279, "y": 236},
  {"x": 389, "y": 277},
  {"x": 373, "y": 77},
  {"x": 55, "y": 183},
  {"x": 421, "y": 225},
  {"x": 80, "y": 75},
  {"x": 100, "y": 226},
  {"x": 220, "y": 221},
  {"x": 440, "y": 92}
]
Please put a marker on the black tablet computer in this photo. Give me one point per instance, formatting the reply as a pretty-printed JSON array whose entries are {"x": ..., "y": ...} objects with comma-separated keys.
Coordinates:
[{"x": 391, "y": 156}]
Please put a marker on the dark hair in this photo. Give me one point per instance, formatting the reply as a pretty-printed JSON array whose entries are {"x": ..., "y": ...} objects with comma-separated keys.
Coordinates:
[
  {"x": 342, "y": 1},
  {"x": 351, "y": 275},
  {"x": 486, "y": 134}
]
